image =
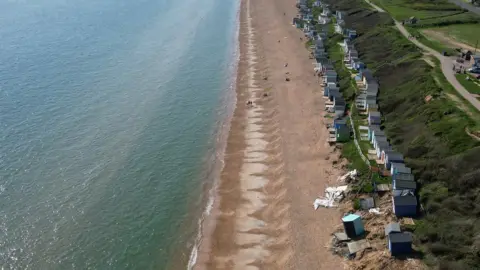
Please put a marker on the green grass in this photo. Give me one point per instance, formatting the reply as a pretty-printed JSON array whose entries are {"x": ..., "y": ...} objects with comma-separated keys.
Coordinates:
[
  {"x": 472, "y": 85},
  {"x": 403, "y": 9},
  {"x": 465, "y": 33},
  {"x": 430, "y": 42}
]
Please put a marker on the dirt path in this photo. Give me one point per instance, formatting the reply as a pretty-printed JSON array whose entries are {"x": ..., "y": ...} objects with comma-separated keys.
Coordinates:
[{"x": 375, "y": 6}]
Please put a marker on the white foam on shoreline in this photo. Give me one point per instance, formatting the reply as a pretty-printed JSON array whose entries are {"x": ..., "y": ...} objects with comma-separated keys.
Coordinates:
[{"x": 192, "y": 260}]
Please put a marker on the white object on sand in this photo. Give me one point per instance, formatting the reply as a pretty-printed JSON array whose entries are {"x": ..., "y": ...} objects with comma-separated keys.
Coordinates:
[
  {"x": 375, "y": 211},
  {"x": 351, "y": 174},
  {"x": 332, "y": 195}
]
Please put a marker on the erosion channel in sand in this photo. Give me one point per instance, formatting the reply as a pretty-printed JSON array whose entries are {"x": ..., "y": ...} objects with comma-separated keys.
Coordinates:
[{"x": 277, "y": 158}]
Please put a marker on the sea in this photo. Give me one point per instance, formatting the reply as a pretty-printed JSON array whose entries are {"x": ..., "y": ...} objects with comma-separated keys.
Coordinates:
[{"x": 113, "y": 119}]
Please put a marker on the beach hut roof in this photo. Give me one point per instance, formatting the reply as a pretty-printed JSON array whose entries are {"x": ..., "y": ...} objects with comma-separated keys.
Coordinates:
[
  {"x": 404, "y": 176},
  {"x": 340, "y": 121},
  {"x": 404, "y": 170},
  {"x": 401, "y": 238},
  {"x": 405, "y": 200},
  {"x": 383, "y": 145},
  {"x": 350, "y": 218},
  {"x": 403, "y": 184},
  {"x": 395, "y": 156},
  {"x": 392, "y": 228},
  {"x": 374, "y": 114},
  {"x": 322, "y": 60}
]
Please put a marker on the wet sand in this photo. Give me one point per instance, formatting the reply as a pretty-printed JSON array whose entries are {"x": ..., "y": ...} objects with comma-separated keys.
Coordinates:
[{"x": 277, "y": 159}]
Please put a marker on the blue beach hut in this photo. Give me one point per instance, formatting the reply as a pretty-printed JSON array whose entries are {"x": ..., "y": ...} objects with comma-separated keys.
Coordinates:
[
  {"x": 400, "y": 243},
  {"x": 353, "y": 225},
  {"x": 405, "y": 206}
]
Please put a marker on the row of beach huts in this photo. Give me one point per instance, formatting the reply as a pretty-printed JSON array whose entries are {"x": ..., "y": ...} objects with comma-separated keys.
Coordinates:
[{"x": 403, "y": 185}]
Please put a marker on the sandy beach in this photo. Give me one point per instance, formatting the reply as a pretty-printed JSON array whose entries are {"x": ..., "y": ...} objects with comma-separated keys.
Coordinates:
[{"x": 277, "y": 159}]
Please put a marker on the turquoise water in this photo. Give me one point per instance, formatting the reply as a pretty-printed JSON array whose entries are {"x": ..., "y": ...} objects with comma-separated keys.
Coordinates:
[{"x": 109, "y": 112}]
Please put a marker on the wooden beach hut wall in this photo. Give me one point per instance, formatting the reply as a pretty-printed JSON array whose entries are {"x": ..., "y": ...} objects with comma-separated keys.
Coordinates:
[
  {"x": 400, "y": 243},
  {"x": 353, "y": 225}
]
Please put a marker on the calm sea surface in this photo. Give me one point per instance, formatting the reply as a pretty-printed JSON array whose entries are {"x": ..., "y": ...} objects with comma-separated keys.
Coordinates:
[{"x": 109, "y": 114}]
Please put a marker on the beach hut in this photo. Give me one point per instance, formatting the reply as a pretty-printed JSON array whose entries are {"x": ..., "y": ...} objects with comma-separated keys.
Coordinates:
[
  {"x": 339, "y": 110},
  {"x": 332, "y": 93},
  {"x": 401, "y": 187},
  {"x": 372, "y": 107},
  {"x": 371, "y": 129},
  {"x": 392, "y": 228},
  {"x": 382, "y": 147},
  {"x": 392, "y": 157},
  {"x": 395, "y": 166},
  {"x": 352, "y": 34},
  {"x": 377, "y": 132},
  {"x": 400, "y": 243},
  {"x": 339, "y": 122},
  {"x": 405, "y": 206},
  {"x": 403, "y": 170},
  {"x": 353, "y": 225},
  {"x": 374, "y": 118},
  {"x": 403, "y": 177},
  {"x": 342, "y": 133},
  {"x": 377, "y": 139},
  {"x": 358, "y": 65}
]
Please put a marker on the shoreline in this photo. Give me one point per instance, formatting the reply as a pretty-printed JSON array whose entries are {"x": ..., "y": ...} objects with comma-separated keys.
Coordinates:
[
  {"x": 262, "y": 215},
  {"x": 206, "y": 220}
]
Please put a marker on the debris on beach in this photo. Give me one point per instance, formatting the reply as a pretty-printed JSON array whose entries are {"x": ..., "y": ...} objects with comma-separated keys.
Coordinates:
[
  {"x": 375, "y": 211},
  {"x": 349, "y": 175},
  {"x": 286, "y": 64},
  {"x": 287, "y": 79},
  {"x": 332, "y": 196}
]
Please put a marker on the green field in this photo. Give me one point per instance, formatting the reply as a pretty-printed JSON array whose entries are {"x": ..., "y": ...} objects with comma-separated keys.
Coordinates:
[
  {"x": 472, "y": 85},
  {"x": 404, "y": 9},
  {"x": 465, "y": 33}
]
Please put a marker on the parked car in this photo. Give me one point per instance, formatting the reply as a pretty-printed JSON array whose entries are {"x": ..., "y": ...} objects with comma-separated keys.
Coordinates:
[{"x": 474, "y": 70}]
